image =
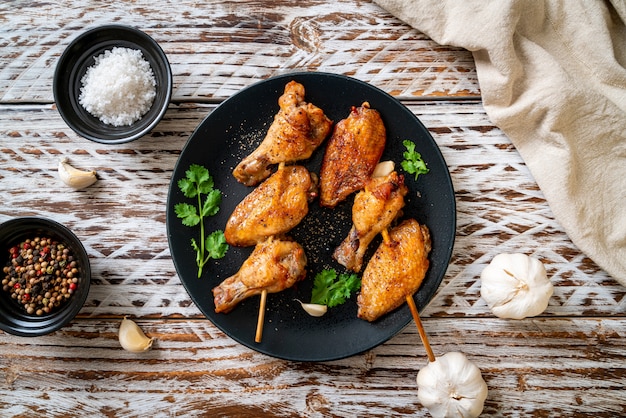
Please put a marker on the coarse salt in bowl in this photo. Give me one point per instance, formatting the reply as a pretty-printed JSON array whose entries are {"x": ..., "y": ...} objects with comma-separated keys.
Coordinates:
[{"x": 113, "y": 84}]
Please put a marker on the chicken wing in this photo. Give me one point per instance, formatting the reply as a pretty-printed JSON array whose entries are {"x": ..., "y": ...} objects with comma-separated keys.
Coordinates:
[
  {"x": 395, "y": 271},
  {"x": 274, "y": 265},
  {"x": 351, "y": 154},
  {"x": 273, "y": 208},
  {"x": 374, "y": 209},
  {"x": 297, "y": 130}
]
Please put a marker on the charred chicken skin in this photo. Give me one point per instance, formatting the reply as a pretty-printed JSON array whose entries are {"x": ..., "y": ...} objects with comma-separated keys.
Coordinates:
[
  {"x": 273, "y": 208},
  {"x": 274, "y": 265},
  {"x": 395, "y": 271},
  {"x": 297, "y": 130},
  {"x": 374, "y": 209},
  {"x": 351, "y": 155}
]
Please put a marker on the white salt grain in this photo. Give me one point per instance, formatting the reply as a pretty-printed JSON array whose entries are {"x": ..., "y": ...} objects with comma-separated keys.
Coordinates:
[{"x": 119, "y": 88}]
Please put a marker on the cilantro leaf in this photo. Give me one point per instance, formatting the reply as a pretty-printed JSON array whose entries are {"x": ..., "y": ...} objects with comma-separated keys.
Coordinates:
[
  {"x": 198, "y": 183},
  {"x": 216, "y": 244},
  {"x": 413, "y": 162},
  {"x": 187, "y": 213},
  {"x": 188, "y": 188},
  {"x": 212, "y": 203},
  {"x": 199, "y": 175},
  {"x": 332, "y": 290}
]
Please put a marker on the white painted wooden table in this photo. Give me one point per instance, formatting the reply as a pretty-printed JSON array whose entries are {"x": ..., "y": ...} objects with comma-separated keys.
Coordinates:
[{"x": 570, "y": 361}]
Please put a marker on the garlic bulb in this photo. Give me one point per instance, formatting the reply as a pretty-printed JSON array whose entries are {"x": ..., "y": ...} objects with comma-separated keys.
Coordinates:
[
  {"x": 515, "y": 286},
  {"x": 75, "y": 178},
  {"x": 452, "y": 386},
  {"x": 132, "y": 337}
]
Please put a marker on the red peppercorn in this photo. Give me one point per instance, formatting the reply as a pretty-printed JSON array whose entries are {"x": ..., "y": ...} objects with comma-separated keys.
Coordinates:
[{"x": 30, "y": 279}]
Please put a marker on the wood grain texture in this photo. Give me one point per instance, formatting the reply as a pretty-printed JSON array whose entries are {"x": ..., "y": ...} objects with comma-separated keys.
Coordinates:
[
  {"x": 194, "y": 369},
  {"x": 499, "y": 209},
  {"x": 570, "y": 361},
  {"x": 217, "y": 48}
]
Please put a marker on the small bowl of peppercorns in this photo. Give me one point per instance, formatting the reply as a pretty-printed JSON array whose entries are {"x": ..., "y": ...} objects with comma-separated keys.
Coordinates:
[{"x": 45, "y": 276}]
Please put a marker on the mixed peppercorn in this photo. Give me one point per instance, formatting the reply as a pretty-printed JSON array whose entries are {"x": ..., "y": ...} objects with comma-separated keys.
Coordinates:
[{"x": 41, "y": 275}]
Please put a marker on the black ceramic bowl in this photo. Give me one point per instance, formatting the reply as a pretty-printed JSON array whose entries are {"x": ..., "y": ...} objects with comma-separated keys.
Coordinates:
[
  {"x": 13, "y": 317},
  {"x": 80, "y": 55}
]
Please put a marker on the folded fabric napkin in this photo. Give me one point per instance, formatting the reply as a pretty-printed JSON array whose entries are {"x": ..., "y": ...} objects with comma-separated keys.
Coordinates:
[{"x": 553, "y": 78}]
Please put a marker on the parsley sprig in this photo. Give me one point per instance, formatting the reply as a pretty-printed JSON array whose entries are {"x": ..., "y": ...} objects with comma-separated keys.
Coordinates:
[
  {"x": 197, "y": 184},
  {"x": 413, "y": 162},
  {"x": 332, "y": 290}
]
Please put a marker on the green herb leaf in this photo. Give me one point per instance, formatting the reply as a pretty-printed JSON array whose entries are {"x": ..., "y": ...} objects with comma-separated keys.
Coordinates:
[
  {"x": 187, "y": 213},
  {"x": 413, "y": 162},
  {"x": 198, "y": 183},
  {"x": 216, "y": 245},
  {"x": 199, "y": 175},
  {"x": 212, "y": 203},
  {"x": 188, "y": 188},
  {"x": 332, "y": 290}
]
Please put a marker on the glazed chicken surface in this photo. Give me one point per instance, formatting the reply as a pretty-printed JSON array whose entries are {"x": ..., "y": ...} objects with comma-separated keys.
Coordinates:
[
  {"x": 395, "y": 271},
  {"x": 274, "y": 265},
  {"x": 352, "y": 153},
  {"x": 374, "y": 209},
  {"x": 297, "y": 130},
  {"x": 273, "y": 208}
]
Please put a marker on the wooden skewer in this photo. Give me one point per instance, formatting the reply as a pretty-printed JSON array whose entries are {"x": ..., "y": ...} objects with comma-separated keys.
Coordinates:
[
  {"x": 385, "y": 234},
  {"x": 261, "y": 319},
  {"x": 420, "y": 328},
  {"x": 414, "y": 312}
]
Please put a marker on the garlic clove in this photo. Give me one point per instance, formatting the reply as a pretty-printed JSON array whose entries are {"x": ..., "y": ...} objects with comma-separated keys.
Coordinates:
[
  {"x": 313, "y": 309},
  {"x": 75, "y": 178},
  {"x": 132, "y": 338},
  {"x": 452, "y": 386},
  {"x": 383, "y": 169}
]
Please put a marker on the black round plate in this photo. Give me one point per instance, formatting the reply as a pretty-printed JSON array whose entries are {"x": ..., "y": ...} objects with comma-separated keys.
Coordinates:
[
  {"x": 80, "y": 55},
  {"x": 232, "y": 131}
]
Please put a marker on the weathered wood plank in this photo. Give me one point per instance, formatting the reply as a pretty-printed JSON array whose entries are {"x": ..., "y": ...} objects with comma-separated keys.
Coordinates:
[
  {"x": 499, "y": 209},
  {"x": 217, "y": 48},
  {"x": 574, "y": 366},
  {"x": 570, "y": 361}
]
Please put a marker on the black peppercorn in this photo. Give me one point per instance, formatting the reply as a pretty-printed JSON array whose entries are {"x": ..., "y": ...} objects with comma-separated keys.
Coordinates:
[{"x": 36, "y": 277}]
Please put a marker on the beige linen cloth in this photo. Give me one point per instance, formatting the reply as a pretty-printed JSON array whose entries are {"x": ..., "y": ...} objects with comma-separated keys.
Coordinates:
[{"x": 553, "y": 78}]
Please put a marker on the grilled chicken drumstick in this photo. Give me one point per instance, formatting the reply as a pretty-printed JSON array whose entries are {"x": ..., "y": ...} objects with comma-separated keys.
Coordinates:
[
  {"x": 273, "y": 266},
  {"x": 297, "y": 130},
  {"x": 352, "y": 153},
  {"x": 395, "y": 271},
  {"x": 374, "y": 209},
  {"x": 273, "y": 208}
]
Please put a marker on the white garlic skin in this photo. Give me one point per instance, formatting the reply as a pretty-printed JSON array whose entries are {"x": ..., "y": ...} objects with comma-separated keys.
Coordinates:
[
  {"x": 132, "y": 338},
  {"x": 452, "y": 386},
  {"x": 74, "y": 177},
  {"x": 313, "y": 309},
  {"x": 516, "y": 286},
  {"x": 383, "y": 169}
]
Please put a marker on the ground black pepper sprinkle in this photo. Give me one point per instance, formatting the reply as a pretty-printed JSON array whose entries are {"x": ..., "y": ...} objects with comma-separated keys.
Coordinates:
[{"x": 41, "y": 275}]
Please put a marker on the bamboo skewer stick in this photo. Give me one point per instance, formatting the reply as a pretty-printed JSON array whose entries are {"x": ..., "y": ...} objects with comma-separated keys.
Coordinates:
[
  {"x": 261, "y": 319},
  {"x": 414, "y": 312},
  {"x": 420, "y": 328}
]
